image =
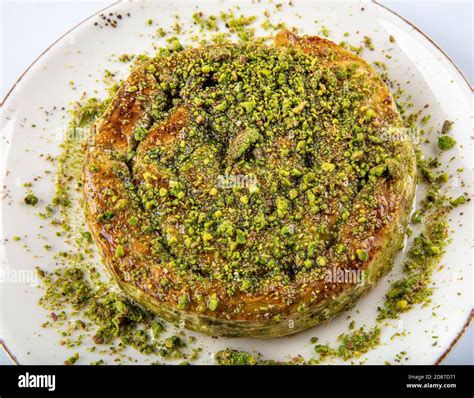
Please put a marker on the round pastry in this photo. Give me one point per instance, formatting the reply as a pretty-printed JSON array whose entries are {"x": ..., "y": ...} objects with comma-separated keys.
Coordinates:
[{"x": 249, "y": 189}]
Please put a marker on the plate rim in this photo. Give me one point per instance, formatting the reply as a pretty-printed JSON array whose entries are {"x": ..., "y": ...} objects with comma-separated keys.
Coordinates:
[{"x": 469, "y": 320}]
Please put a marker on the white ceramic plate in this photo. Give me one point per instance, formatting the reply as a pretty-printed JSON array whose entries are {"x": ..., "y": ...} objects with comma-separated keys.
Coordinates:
[{"x": 416, "y": 64}]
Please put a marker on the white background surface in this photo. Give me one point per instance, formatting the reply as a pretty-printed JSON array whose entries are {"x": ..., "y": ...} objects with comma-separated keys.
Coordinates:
[{"x": 27, "y": 28}]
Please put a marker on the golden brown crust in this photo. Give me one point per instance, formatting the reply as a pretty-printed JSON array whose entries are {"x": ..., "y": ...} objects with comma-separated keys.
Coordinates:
[{"x": 107, "y": 187}]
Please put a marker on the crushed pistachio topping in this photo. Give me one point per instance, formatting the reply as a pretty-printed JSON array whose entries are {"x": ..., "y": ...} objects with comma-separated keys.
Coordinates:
[{"x": 297, "y": 126}]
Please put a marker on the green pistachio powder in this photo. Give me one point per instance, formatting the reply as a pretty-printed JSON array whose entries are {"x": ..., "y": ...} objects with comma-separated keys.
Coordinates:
[{"x": 76, "y": 290}]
